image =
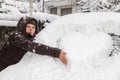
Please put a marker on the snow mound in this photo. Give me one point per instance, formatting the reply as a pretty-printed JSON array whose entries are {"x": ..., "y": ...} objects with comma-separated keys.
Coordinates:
[
  {"x": 86, "y": 47},
  {"x": 85, "y": 38}
]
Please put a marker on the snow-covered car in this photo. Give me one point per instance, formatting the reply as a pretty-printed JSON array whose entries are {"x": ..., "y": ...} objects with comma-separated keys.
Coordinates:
[
  {"x": 8, "y": 22},
  {"x": 86, "y": 38}
]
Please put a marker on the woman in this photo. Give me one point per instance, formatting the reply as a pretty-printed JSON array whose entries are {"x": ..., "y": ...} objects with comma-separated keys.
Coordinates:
[{"x": 21, "y": 41}]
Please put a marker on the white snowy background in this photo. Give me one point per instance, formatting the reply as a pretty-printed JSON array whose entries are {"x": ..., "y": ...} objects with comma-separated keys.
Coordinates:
[
  {"x": 13, "y": 10},
  {"x": 83, "y": 36}
]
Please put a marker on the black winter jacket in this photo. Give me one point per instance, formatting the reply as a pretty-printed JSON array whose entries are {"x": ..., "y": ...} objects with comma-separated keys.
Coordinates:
[{"x": 19, "y": 43}]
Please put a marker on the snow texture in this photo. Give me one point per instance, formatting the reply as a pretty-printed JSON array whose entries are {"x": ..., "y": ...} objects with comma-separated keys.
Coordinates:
[
  {"x": 12, "y": 11},
  {"x": 85, "y": 39}
]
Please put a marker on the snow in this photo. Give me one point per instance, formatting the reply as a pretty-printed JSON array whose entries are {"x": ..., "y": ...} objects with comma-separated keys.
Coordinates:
[
  {"x": 14, "y": 10},
  {"x": 11, "y": 20},
  {"x": 8, "y": 23},
  {"x": 84, "y": 37},
  {"x": 98, "y": 6}
]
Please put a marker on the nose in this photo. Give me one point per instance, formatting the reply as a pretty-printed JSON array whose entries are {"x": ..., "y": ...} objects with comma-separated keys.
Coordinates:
[{"x": 31, "y": 28}]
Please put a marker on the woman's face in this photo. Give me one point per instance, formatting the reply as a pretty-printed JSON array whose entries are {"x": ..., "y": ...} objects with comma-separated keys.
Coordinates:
[{"x": 30, "y": 28}]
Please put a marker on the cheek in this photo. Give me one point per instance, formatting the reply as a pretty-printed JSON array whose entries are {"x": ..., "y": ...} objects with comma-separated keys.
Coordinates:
[
  {"x": 33, "y": 30},
  {"x": 27, "y": 29}
]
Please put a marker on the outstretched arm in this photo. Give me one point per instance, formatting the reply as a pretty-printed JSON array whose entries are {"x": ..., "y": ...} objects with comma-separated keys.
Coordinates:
[{"x": 20, "y": 41}]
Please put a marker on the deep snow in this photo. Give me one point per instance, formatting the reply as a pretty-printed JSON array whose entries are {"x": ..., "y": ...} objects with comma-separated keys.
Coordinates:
[
  {"x": 11, "y": 19},
  {"x": 12, "y": 11},
  {"x": 84, "y": 37}
]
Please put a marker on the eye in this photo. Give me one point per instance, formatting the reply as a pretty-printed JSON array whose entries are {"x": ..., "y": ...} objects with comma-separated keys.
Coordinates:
[
  {"x": 33, "y": 27},
  {"x": 28, "y": 26}
]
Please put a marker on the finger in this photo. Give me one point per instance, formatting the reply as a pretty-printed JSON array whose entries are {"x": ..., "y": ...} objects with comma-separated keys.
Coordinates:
[{"x": 65, "y": 60}]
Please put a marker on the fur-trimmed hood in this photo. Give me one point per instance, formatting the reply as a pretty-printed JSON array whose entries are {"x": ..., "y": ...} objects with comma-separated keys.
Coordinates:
[{"x": 21, "y": 26}]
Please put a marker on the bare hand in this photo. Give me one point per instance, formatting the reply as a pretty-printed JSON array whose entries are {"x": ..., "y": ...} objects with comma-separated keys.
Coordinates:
[{"x": 62, "y": 57}]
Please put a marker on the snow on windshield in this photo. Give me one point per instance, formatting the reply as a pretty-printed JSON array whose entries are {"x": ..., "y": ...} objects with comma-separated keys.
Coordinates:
[{"x": 84, "y": 37}]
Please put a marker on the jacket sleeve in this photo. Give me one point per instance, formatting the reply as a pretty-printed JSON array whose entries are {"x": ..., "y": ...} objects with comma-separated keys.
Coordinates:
[{"x": 20, "y": 41}]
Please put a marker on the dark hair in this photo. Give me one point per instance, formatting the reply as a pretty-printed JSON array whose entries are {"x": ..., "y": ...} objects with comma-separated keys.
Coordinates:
[
  {"x": 32, "y": 21},
  {"x": 22, "y": 23}
]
